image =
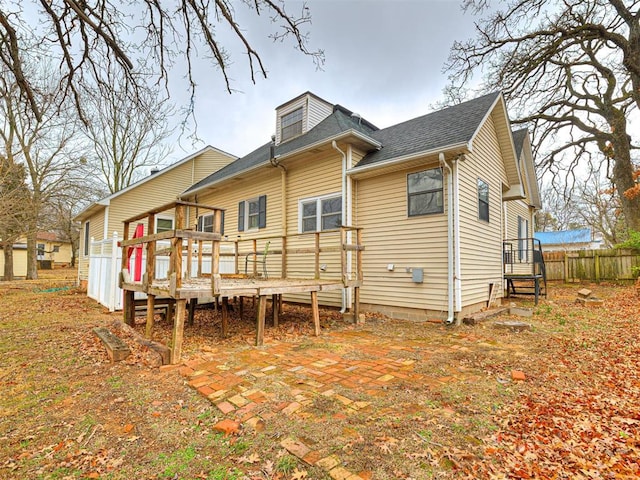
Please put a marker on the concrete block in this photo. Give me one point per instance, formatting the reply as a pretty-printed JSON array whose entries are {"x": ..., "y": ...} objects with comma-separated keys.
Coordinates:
[{"x": 521, "y": 312}]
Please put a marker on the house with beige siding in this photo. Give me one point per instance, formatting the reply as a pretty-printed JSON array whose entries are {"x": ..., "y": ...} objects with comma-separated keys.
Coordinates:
[
  {"x": 101, "y": 222},
  {"x": 52, "y": 251},
  {"x": 435, "y": 197}
]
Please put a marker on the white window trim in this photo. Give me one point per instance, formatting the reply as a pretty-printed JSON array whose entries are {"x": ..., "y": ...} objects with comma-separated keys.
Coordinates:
[
  {"x": 246, "y": 214},
  {"x": 208, "y": 215},
  {"x": 86, "y": 247},
  {"x": 289, "y": 112},
  {"x": 318, "y": 201},
  {"x": 164, "y": 217}
]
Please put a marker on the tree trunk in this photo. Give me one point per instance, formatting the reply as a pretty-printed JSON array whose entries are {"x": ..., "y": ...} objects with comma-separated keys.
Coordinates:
[
  {"x": 8, "y": 261},
  {"x": 623, "y": 174},
  {"x": 32, "y": 258}
]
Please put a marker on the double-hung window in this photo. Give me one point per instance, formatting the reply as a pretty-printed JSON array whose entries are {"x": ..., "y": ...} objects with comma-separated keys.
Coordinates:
[
  {"x": 425, "y": 192},
  {"x": 205, "y": 223},
  {"x": 252, "y": 213},
  {"x": 164, "y": 224},
  {"x": 291, "y": 124},
  {"x": 483, "y": 200},
  {"x": 320, "y": 213}
]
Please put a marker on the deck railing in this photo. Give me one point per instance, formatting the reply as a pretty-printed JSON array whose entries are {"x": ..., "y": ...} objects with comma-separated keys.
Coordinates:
[
  {"x": 333, "y": 255},
  {"x": 522, "y": 256}
]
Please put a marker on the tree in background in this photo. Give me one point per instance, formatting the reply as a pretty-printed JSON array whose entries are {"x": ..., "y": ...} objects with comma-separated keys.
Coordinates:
[
  {"x": 43, "y": 145},
  {"x": 570, "y": 71},
  {"x": 14, "y": 208},
  {"x": 125, "y": 134},
  {"x": 139, "y": 41}
]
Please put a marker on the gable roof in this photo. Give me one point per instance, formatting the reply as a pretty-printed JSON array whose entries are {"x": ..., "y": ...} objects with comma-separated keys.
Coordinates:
[
  {"x": 518, "y": 139},
  {"x": 452, "y": 126},
  {"x": 339, "y": 123},
  {"x": 564, "y": 237},
  {"x": 104, "y": 202}
]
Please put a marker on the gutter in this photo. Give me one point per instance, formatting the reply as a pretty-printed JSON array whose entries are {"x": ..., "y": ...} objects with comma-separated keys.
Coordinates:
[
  {"x": 464, "y": 146},
  {"x": 324, "y": 141}
]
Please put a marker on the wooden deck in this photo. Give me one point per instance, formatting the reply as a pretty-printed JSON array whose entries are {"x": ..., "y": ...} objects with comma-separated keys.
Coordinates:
[{"x": 185, "y": 281}]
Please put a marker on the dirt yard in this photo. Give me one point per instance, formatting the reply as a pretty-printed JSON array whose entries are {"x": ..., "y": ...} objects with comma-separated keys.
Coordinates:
[{"x": 385, "y": 400}]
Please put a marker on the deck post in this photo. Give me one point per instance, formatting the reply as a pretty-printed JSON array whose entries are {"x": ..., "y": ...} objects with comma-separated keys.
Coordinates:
[
  {"x": 225, "y": 316},
  {"x": 262, "y": 310},
  {"x": 192, "y": 311},
  {"x": 189, "y": 255},
  {"x": 200, "y": 245},
  {"x": 170, "y": 309},
  {"x": 275, "y": 309},
  {"x": 178, "y": 331},
  {"x": 241, "y": 300},
  {"x": 129, "y": 307},
  {"x": 236, "y": 257},
  {"x": 356, "y": 305},
  {"x": 151, "y": 305},
  {"x": 255, "y": 253},
  {"x": 215, "y": 254},
  {"x": 316, "y": 313}
]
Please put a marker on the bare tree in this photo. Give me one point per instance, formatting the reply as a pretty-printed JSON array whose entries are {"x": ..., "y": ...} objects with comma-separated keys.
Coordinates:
[
  {"x": 43, "y": 144},
  {"x": 125, "y": 134},
  {"x": 139, "y": 40},
  {"x": 568, "y": 70},
  {"x": 14, "y": 207}
]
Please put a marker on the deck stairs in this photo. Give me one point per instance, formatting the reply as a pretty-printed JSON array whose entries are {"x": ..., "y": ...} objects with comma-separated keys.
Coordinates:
[{"x": 524, "y": 269}]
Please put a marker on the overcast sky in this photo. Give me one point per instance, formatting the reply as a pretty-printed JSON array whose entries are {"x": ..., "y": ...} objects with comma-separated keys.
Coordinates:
[{"x": 384, "y": 60}]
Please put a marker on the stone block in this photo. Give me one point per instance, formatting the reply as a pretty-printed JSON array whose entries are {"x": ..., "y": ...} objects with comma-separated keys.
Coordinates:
[
  {"x": 116, "y": 348},
  {"x": 518, "y": 375},
  {"x": 584, "y": 293},
  {"x": 521, "y": 312}
]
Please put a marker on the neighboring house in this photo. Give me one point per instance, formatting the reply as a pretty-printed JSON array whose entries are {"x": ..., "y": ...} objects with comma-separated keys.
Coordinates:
[
  {"x": 51, "y": 252},
  {"x": 19, "y": 260},
  {"x": 435, "y": 197},
  {"x": 101, "y": 220},
  {"x": 569, "y": 240}
]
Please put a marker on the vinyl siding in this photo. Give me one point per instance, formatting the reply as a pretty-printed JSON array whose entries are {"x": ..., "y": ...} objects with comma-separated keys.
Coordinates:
[
  {"x": 19, "y": 263},
  {"x": 314, "y": 177},
  {"x": 96, "y": 230},
  {"x": 481, "y": 241},
  {"x": 311, "y": 177},
  {"x": 515, "y": 209},
  {"x": 392, "y": 237},
  {"x": 314, "y": 111},
  {"x": 163, "y": 187}
]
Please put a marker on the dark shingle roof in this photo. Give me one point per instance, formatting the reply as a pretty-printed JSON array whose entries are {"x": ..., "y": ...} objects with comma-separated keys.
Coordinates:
[
  {"x": 518, "y": 140},
  {"x": 450, "y": 126},
  {"x": 339, "y": 121}
]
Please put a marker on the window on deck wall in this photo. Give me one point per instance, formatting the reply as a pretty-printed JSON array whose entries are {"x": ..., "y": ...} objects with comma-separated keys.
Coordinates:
[
  {"x": 483, "y": 200},
  {"x": 252, "y": 213},
  {"x": 425, "y": 192},
  {"x": 164, "y": 224},
  {"x": 320, "y": 213},
  {"x": 205, "y": 223}
]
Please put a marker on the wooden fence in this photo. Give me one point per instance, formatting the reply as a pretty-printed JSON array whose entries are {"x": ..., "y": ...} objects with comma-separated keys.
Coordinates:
[{"x": 592, "y": 265}]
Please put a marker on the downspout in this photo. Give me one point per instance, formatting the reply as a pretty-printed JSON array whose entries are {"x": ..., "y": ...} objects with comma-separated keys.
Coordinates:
[
  {"x": 344, "y": 209},
  {"x": 283, "y": 184},
  {"x": 456, "y": 235},
  {"x": 450, "y": 232}
]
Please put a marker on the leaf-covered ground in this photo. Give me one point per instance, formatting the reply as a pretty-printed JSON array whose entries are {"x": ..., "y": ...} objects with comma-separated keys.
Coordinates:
[{"x": 66, "y": 412}]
